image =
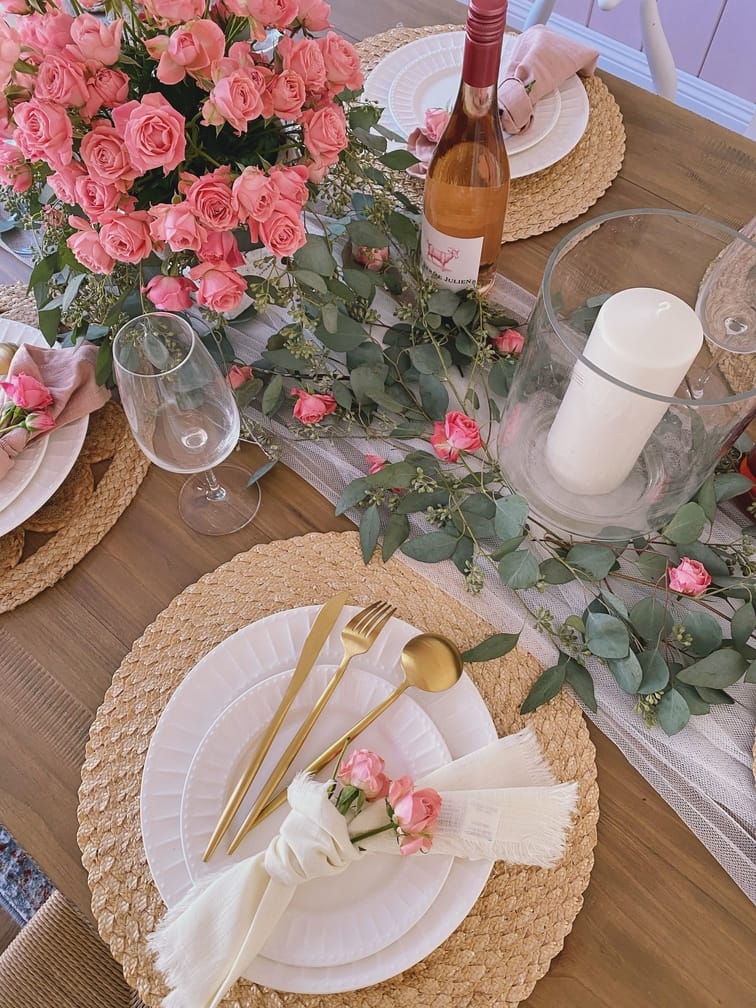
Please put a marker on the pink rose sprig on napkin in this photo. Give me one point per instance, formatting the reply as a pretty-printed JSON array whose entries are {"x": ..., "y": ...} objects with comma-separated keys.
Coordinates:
[
  {"x": 26, "y": 406},
  {"x": 411, "y": 814}
]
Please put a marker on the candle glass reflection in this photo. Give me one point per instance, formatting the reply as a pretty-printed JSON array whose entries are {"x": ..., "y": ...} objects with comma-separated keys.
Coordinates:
[{"x": 606, "y": 431}]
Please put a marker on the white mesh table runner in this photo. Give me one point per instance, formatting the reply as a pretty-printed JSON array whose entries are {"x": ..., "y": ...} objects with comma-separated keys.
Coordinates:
[{"x": 705, "y": 772}]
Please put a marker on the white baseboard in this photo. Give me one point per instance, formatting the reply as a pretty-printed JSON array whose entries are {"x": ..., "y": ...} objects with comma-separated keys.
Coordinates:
[{"x": 695, "y": 94}]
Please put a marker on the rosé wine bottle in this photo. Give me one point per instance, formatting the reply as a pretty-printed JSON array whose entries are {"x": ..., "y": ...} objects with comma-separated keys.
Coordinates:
[{"x": 467, "y": 185}]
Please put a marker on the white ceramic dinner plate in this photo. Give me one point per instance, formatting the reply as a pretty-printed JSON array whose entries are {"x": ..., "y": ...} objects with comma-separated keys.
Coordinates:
[
  {"x": 56, "y": 456},
  {"x": 376, "y": 900},
  {"x": 431, "y": 81},
  {"x": 555, "y": 143},
  {"x": 251, "y": 656}
]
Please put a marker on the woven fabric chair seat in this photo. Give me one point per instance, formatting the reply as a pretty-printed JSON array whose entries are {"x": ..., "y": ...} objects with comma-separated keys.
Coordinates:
[{"x": 59, "y": 961}]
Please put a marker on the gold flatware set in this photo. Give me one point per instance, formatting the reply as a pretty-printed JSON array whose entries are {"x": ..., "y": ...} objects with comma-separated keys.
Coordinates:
[{"x": 430, "y": 662}]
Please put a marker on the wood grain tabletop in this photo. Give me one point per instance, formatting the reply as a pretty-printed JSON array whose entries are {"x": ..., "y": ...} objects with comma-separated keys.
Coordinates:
[{"x": 663, "y": 926}]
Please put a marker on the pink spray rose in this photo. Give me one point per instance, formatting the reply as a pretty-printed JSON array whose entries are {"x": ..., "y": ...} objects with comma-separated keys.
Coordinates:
[
  {"x": 192, "y": 49},
  {"x": 371, "y": 258},
  {"x": 256, "y": 195},
  {"x": 364, "y": 770},
  {"x": 61, "y": 80},
  {"x": 313, "y": 15},
  {"x": 95, "y": 39},
  {"x": 305, "y": 58},
  {"x": 173, "y": 12},
  {"x": 239, "y": 375},
  {"x": 415, "y": 814},
  {"x": 126, "y": 237},
  {"x": 288, "y": 94},
  {"x": 211, "y": 198},
  {"x": 271, "y": 13},
  {"x": 221, "y": 246},
  {"x": 283, "y": 232},
  {"x": 457, "y": 433},
  {"x": 291, "y": 182},
  {"x": 44, "y": 132},
  {"x": 220, "y": 286},
  {"x": 177, "y": 226},
  {"x": 105, "y": 86},
  {"x": 509, "y": 341},
  {"x": 27, "y": 392},
  {"x": 10, "y": 50},
  {"x": 97, "y": 198},
  {"x": 342, "y": 63},
  {"x": 375, "y": 463},
  {"x": 47, "y": 33},
  {"x": 235, "y": 99},
  {"x": 690, "y": 577},
  {"x": 325, "y": 132},
  {"x": 106, "y": 157},
  {"x": 39, "y": 423},
  {"x": 311, "y": 407},
  {"x": 87, "y": 247},
  {"x": 153, "y": 132},
  {"x": 423, "y": 139},
  {"x": 14, "y": 169},
  {"x": 170, "y": 293}
]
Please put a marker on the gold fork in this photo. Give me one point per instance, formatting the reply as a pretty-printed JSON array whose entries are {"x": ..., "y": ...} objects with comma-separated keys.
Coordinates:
[{"x": 357, "y": 637}]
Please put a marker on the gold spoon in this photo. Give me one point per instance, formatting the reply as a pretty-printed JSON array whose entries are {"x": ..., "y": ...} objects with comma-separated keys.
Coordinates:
[{"x": 430, "y": 662}]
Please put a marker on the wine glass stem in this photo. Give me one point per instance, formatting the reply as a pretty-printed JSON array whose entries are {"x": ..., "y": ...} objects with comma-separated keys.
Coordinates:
[{"x": 215, "y": 491}]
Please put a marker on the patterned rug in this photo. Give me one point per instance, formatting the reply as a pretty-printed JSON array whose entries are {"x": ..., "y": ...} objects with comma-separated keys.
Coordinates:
[{"x": 23, "y": 887}]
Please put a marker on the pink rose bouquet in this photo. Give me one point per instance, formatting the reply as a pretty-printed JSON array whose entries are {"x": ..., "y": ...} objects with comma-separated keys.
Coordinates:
[{"x": 154, "y": 146}]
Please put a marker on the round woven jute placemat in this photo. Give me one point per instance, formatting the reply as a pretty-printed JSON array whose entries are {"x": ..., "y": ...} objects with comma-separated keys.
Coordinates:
[
  {"x": 91, "y": 499},
  {"x": 539, "y": 202},
  {"x": 520, "y": 921}
]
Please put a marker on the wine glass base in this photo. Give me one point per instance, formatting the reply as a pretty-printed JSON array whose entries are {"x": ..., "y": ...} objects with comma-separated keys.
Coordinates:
[{"x": 229, "y": 508}]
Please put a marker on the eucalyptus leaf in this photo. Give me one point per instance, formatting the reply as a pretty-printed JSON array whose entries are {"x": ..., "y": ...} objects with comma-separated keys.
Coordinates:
[
  {"x": 360, "y": 282},
  {"x": 404, "y": 230},
  {"x": 519, "y": 570},
  {"x": 432, "y": 547},
  {"x": 444, "y": 302},
  {"x": 606, "y": 636},
  {"x": 711, "y": 560},
  {"x": 705, "y": 631},
  {"x": 545, "y": 688},
  {"x": 434, "y": 396},
  {"x": 104, "y": 364},
  {"x": 687, "y": 524},
  {"x": 507, "y": 546},
  {"x": 707, "y": 498},
  {"x": 363, "y": 233},
  {"x": 717, "y": 670},
  {"x": 261, "y": 471},
  {"x": 309, "y": 278},
  {"x": 750, "y": 673},
  {"x": 367, "y": 380},
  {"x": 72, "y": 289},
  {"x": 500, "y": 377},
  {"x": 273, "y": 396},
  {"x": 729, "y": 485},
  {"x": 463, "y": 554},
  {"x": 478, "y": 511},
  {"x": 651, "y": 566},
  {"x": 397, "y": 532},
  {"x": 352, "y": 495},
  {"x": 672, "y": 712},
  {"x": 576, "y": 623},
  {"x": 465, "y": 313},
  {"x": 627, "y": 672},
  {"x": 495, "y": 646},
  {"x": 315, "y": 255},
  {"x": 554, "y": 572},
  {"x": 650, "y": 619},
  {"x": 370, "y": 527},
  {"x": 510, "y": 517},
  {"x": 595, "y": 561},
  {"x": 655, "y": 672},
  {"x": 713, "y": 696},
  {"x": 342, "y": 395},
  {"x": 330, "y": 315},
  {"x": 742, "y": 625},
  {"x": 399, "y": 474},
  {"x": 615, "y": 603},
  {"x": 690, "y": 695},
  {"x": 398, "y": 160},
  {"x": 580, "y": 679},
  {"x": 427, "y": 359}
]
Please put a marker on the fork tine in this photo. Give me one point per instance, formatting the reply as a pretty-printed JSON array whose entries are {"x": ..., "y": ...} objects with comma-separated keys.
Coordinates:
[
  {"x": 359, "y": 619},
  {"x": 380, "y": 620}
]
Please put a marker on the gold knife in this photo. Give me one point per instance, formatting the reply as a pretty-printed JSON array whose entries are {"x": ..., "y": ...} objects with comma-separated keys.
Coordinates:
[{"x": 316, "y": 638}]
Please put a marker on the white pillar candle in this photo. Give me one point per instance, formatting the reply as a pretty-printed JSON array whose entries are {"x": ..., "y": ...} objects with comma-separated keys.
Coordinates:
[{"x": 643, "y": 337}]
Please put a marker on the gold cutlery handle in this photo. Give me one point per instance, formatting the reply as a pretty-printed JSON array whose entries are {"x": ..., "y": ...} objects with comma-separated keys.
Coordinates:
[
  {"x": 336, "y": 747},
  {"x": 288, "y": 756}
]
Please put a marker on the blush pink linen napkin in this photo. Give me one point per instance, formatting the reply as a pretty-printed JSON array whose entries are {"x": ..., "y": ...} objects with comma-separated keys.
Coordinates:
[
  {"x": 70, "y": 377},
  {"x": 543, "y": 59}
]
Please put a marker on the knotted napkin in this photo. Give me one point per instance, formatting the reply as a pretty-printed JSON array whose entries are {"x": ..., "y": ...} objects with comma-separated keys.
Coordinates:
[
  {"x": 500, "y": 802},
  {"x": 69, "y": 376},
  {"x": 541, "y": 60}
]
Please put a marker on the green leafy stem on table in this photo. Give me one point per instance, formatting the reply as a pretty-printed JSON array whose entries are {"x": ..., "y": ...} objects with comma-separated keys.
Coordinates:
[{"x": 388, "y": 357}]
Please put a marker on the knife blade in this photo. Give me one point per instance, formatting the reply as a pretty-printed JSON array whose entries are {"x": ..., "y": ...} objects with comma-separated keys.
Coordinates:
[{"x": 316, "y": 638}]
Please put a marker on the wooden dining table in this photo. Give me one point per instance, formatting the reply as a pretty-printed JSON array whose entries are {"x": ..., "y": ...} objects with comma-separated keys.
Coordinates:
[{"x": 663, "y": 925}]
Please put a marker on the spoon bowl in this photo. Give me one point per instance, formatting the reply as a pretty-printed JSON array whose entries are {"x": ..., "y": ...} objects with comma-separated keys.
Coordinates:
[{"x": 431, "y": 662}]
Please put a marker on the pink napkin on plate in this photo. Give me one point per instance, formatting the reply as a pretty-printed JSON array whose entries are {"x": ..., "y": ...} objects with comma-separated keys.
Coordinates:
[
  {"x": 541, "y": 60},
  {"x": 69, "y": 376}
]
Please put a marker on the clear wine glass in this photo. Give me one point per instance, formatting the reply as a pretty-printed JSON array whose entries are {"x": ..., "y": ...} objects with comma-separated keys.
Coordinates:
[{"x": 185, "y": 419}]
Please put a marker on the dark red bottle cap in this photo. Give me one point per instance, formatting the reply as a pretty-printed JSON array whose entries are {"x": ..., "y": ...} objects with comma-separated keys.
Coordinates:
[{"x": 486, "y": 21}]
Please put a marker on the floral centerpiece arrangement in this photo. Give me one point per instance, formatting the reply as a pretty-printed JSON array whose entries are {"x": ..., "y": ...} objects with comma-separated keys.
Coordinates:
[{"x": 145, "y": 146}]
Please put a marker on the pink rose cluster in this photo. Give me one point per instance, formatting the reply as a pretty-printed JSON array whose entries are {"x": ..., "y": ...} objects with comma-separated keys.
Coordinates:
[
  {"x": 70, "y": 105},
  {"x": 457, "y": 433},
  {"x": 413, "y": 815}
]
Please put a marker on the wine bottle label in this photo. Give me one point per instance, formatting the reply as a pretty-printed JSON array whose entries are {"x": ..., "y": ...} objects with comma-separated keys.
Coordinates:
[{"x": 448, "y": 261}]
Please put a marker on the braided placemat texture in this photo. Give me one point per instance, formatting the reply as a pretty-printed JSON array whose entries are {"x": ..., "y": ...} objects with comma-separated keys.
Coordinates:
[
  {"x": 539, "y": 202},
  {"x": 520, "y": 921},
  {"x": 84, "y": 508}
]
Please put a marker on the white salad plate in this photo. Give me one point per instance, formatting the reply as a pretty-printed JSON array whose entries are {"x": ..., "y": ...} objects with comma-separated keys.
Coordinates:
[
  {"x": 424, "y": 55},
  {"x": 58, "y": 450},
  {"x": 377, "y": 899},
  {"x": 198, "y": 730},
  {"x": 432, "y": 80}
]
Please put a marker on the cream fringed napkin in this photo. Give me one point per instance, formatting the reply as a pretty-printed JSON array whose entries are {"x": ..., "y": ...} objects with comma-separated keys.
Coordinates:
[{"x": 499, "y": 803}]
